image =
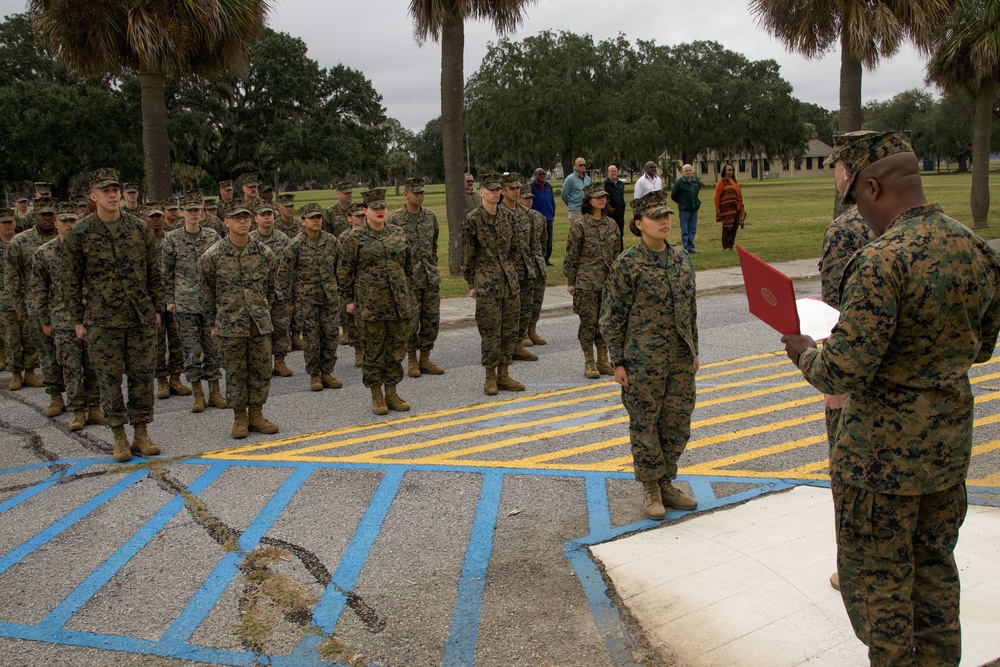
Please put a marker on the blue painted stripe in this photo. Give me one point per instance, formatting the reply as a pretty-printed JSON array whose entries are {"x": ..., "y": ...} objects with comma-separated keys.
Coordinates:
[
  {"x": 598, "y": 509},
  {"x": 48, "y": 464},
  {"x": 205, "y": 598},
  {"x": 103, "y": 574},
  {"x": 460, "y": 649},
  {"x": 331, "y": 605},
  {"x": 46, "y": 483},
  {"x": 68, "y": 520}
]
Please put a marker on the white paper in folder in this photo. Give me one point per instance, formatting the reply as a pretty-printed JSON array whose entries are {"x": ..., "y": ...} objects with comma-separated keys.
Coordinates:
[{"x": 816, "y": 319}]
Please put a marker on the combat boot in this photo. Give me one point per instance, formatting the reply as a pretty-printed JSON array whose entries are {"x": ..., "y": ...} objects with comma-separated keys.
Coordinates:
[
  {"x": 393, "y": 401},
  {"x": 16, "y": 381},
  {"x": 490, "y": 387},
  {"x": 162, "y": 387},
  {"x": 412, "y": 367},
  {"x": 215, "y": 397},
  {"x": 674, "y": 497},
  {"x": 359, "y": 357},
  {"x": 241, "y": 425},
  {"x": 428, "y": 366},
  {"x": 534, "y": 337},
  {"x": 604, "y": 366},
  {"x": 835, "y": 581},
  {"x": 589, "y": 367},
  {"x": 95, "y": 416},
  {"x": 178, "y": 387},
  {"x": 652, "y": 503},
  {"x": 122, "y": 451},
  {"x": 505, "y": 381},
  {"x": 142, "y": 443},
  {"x": 315, "y": 384},
  {"x": 281, "y": 369},
  {"x": 378, "y": 401},
  {"x": 258, "y": 423},
  {"x": 522, "y": 354},
  {"x": 526, "y": 342},
  {"x": 330, "y": 382},
  {"x": 32, "y": 380},
  {"x": 79, "y": 420},
  {"x": 297, "y": 343},
  {"x": 56, "y": 406},
  {"x": 199, "y": 397}
]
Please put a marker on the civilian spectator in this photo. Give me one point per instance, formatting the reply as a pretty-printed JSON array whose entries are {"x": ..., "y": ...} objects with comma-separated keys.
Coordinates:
[
  {"x": 649, "y": 181},
  {"x": 616, "y": 199},
  {"x": 545, "y": 203},
  {"x": 572, "y": 189}
]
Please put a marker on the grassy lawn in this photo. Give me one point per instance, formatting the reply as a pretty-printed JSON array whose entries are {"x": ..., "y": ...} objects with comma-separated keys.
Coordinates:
[{"x": 785, "y": 220}]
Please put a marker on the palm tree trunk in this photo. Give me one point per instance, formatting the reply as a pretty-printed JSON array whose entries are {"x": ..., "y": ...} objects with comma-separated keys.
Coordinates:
[
  {"x": 155, "y": 142},
  {"x": 452, "y": 128},
  {"x": 981, "y": 126},
  {"x": 850, "y": 89}
]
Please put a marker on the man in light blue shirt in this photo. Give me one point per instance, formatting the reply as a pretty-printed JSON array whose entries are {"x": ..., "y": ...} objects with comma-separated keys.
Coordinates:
[{"x": 572, "y": 189}]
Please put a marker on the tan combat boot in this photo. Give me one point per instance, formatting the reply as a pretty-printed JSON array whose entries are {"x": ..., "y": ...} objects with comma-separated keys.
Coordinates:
[
  {"x": 56, "y": 406},
  {"x": 412, "y": 367},
  {"x": 526, "y": 342},
  {"x": 95, "y": 416},
  {"x": 241, "y": 425},
  {"x": 32, "y": 380},
  {"x": 835, "y": 581},
  {"x": 490, "y": 387},
  {"x": 604, "y": 366},
  {"x": 215, "y": 397},
  {"x": 79, "y": 420},
  {"x": 178, "y": 387},
  {"x": 674, "y": 497},
  {"x": 378, "y": 401},
  {"x": 315, "y": 384},
  {"x": 330, "y": 382},
  {"x": 16, "y": 381},
  {"x": 281, "y": 369},
  {"x": 258, "y": 423},
  {"x": 359, "y": 357},
  {"x": 522, "y": 354},
  {"x": 199, "y": 397},
  {"x": 534, "y": 337},
  {"x": 652, "y": 503},
  {"x": 162, "y": 387},
  {"x": 393, "y": 401},
  {"x": 122, "y": 451},
  {"x": 505, "y": 381},
  {"x": 142, "y": 444},
  {"x": 589, "y": 367},
  {"x": 428, "y": 366},
  {"x": 297, "y": 343}
]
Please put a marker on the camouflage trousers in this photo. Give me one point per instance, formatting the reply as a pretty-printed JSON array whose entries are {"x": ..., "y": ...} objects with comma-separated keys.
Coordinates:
[
  {"x": 832, "y": 426},
  {"x": 384, "y": 345},
  {"x": 659, "y": 402},
  {"x": 168, "y": 340},
  {"x": 538, "y": 295},
  {"x": 350, "y": 329},
  {"x": 247, "y": 360},
  {"x": 587, "y": 304},
  {"x": 498, "y": 320},
  {"x": 898, "y": 577},
  {"x": 78, "y": 371},
  {"x": 20, "y": 346},
  {"x": 527, "y": 305},
  {"x": 426, "y": 321},
  {"x": 281, "y": 344},
  {"x": 201, "y": 358},
  {"x": 320, "y": 332},
  {"x": 130, "y": 352},
  {"x": 52, "y": 372}
]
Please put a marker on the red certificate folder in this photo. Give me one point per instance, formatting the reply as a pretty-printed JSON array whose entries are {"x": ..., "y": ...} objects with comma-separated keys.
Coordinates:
[{"x": 771, "y": 296}]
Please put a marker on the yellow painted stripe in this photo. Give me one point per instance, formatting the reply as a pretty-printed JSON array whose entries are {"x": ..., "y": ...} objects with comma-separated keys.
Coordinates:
[
  {"x": 743, "y": 383},
  {"x": 743, "y": 360},
  {"x": 709, "y": 466},
  {"x": 743, "y": 369},
  {"x": 807, "y": 469},
  {"x": 986, "y": 447},
  {"x": 989, "y": 480}
]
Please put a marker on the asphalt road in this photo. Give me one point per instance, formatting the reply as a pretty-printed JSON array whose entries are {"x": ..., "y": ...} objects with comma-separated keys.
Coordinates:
[{"x": 454, "y": 534}]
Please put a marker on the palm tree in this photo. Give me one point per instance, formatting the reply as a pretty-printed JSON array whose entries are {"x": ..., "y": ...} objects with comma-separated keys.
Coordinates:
[
  {"x": 155, "y": 39},
  {"x": 444, "y": 22},
  {"x": 967, "y": 55},
  {"x": 867, "y": 31}
]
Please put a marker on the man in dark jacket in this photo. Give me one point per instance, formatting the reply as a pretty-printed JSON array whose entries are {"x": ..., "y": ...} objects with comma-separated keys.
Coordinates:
[
  {"x": 616, "y": 198},
  {"x": 545, "y": 203}
]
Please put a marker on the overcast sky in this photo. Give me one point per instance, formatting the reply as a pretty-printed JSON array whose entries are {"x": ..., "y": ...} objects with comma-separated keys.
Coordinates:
[{"x": 376, "y": 37}]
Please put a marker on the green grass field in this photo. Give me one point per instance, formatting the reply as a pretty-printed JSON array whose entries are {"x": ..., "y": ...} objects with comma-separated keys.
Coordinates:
[{"x": 785, "y": 220}]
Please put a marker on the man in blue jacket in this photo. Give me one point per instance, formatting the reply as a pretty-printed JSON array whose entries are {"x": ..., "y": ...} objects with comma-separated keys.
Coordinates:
[
  {"x": 572, "y": 189},
  {"x": 545, "y": 203}
]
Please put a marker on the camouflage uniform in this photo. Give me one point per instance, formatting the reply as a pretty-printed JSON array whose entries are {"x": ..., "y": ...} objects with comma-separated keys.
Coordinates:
[
  {"x": 308, "y": 280},
  {"x": 291, "y": 229},
  {"x": 48, "y": 287},
  {"x": 920, "y": 305},
  {"x": 119, "y": 271},
  {"x": 421, "y": 230},
  {"x": 527, "y": 271},
  {"x": 350, "y": 330},
  {"x": 238, "y": 290},
  {"x": 649, "y": 319},
  {"x": 215, "y": 223},
  {"x": 591, "y": 249},
  {"x": 490, "y": 267},
  {"x": 169, "y": 349},
  {"x": 540, "y": 242},
  {"x": 18, "y": 342},
  {"x": 336, "y": 220},
  {"x": 18, "y": 276},
  {"x": 280, "y": 317},
  {"x": 374, "y": 275},
  {"x": 179, "y": 255}
]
